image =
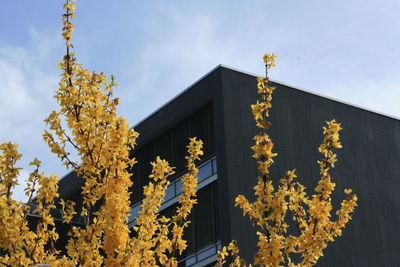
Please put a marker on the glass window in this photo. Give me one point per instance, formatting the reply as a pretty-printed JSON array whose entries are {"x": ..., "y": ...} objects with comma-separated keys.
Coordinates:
[
  {"x": 170, "y": 193},
  {"x": 199, "y": 129},
  {"x": 214, "y": 165},
  {"x": 178, "y": 186},
  {"x": 163, "y": 147},
  {"x": 180, "y": 141},
  {"x": 141, "y": 171},
  {"x": 205, "y": 171},
  {"x": 145, "y": 156},
  {"x": 190, "y": 261},
  {"x": 201, "y": 232},
  {"x": 210, "y": 119},
  {"x": 168, "y": 212},
  {"x": 135, "y": 189},
  {"x": 206, "y": 253},
  {"x": 171, "y": 145},
  {"x": 204, "y": 218},
  {"x": 188, "y": 235},
  {"x": 134, "y": 212}
]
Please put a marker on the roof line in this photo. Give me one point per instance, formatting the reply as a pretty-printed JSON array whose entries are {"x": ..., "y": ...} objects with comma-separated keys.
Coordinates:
[
  {"x": 256, "y": 75},
  {"x": 273, "y": 80},
  {"x": 166, "y": 103},
  {"x": 315, "y": 93},
  {"x": 179, "y": 94}
]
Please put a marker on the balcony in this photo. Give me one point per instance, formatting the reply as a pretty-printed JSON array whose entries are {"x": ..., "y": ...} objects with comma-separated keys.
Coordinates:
[{"x": 207, "y": 174}]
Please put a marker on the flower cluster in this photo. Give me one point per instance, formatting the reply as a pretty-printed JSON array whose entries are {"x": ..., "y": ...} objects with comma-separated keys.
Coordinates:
[
  {"x": 269, "y": 60},
  {"x": 158, "y": 238},
  {"x": 310, "y": 216},
  {"x": 230, "y": 250},
  {"x": 23, "y": 246},
  {"x": 87, "y": 125}
]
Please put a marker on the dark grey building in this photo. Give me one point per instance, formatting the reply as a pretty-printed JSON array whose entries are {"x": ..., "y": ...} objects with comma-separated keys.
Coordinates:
[{"x": 216, "y": 109}]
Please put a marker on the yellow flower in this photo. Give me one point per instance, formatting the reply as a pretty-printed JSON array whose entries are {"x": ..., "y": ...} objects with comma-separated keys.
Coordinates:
[
  {"x": 269, "y": 60},
  {"x": 35, "y": 162}
]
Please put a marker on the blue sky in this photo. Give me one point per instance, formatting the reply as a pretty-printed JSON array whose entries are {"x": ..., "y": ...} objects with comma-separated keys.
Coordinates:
[{"x": 348, "y": 50}]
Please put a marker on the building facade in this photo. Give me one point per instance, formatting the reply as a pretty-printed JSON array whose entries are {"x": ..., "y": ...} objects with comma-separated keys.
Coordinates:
[{"x": 216, "y": 110}]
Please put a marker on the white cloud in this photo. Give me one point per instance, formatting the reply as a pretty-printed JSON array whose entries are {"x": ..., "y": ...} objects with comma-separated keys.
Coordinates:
[{"x": 27, "y": 83}]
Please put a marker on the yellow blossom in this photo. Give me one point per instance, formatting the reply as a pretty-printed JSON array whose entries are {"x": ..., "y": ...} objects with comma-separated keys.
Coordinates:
[
  {"x": 311, "y": 214},
  {"x": 87, "y": 123}
]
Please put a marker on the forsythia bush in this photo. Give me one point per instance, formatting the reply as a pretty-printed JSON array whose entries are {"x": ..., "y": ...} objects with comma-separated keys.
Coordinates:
[
  {"x": 310, "y": 215},
  {"x": 88, "y": 123}
]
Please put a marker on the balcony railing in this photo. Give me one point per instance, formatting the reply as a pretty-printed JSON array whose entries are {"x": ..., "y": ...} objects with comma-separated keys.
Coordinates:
[
  {"x": 204, "y": 256},
  {"x": 207, "y": 174}
]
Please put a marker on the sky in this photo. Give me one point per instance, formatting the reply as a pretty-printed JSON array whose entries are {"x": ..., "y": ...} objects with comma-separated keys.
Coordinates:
[{"x": 348, "y": 50}]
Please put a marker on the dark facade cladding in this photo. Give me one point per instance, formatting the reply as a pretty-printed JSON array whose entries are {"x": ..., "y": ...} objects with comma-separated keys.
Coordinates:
[{"x": 217, "y": 110}]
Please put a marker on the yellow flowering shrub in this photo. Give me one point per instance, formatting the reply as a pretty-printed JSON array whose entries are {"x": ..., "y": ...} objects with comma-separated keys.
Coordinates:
[
  {"x": 310, "y": 216},
  {"x": 87, "y": 123}
]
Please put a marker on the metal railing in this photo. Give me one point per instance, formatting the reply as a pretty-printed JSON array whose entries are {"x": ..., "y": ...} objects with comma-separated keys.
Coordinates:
[
  {"x": 202, "y": 257},
  {"x": 207, "y": 174}
]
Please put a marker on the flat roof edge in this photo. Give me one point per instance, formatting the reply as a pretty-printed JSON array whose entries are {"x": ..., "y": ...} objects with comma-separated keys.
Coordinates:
[
  {"x": 315, "y": 93},
  {"x": 179, "y": 94}
]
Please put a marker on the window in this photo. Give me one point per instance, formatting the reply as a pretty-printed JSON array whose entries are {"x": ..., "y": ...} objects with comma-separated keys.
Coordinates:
[
  {"x": 203, "y": 230},
  {"x": 202, "y": 234},
  {"x": 171, "y": 145},
  {"x": 207, "y": 175}
]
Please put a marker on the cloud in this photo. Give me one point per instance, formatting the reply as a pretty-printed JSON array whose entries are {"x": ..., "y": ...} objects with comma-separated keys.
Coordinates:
[
  {"x": 27, "y": 83},
  {"x": 18, "y": 192}
]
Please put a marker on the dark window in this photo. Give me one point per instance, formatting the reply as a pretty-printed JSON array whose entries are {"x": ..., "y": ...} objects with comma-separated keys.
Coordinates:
[
  {"x": 199, "y": 128},
  {"x": 204, "y": 218},
  {"x": 210, "y": 119},
  {"x": 163, "y": 147},
  {"x": 216, "y": 212},
  {"x": 169, "y": 212},
  {"x": 142, "y": 171},
  {"x": 135, "y": 189},
  {"x": 77, "y": 198},
  {"x": 180, "y": 141},
  {"x": 171, "y": 146},
  {"x": 188, "y": 235},
  {"x": 202, "y": 231}
]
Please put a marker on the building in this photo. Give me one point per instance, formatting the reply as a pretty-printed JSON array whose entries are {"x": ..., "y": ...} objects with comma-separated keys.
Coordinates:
[{"x": 216, "y": 110}]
